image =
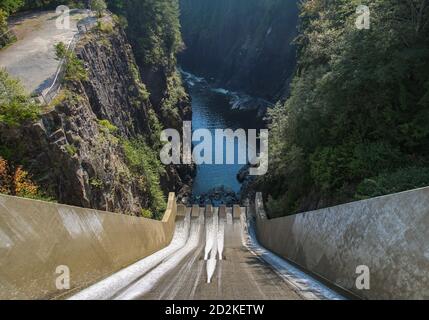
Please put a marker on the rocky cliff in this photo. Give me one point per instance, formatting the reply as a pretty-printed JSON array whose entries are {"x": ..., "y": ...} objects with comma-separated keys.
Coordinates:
[
  {"x": 242, "y": 44},
  {"x": 96, "y": 144}
]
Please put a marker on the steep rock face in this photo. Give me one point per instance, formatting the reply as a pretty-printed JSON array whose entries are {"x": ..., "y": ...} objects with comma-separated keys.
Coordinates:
[
  {"x": 242, "y": 44},
  {"x": 79, "y": 160},
  {"x": 113, "y": 91},
  {"x": 75, "y": 161}
]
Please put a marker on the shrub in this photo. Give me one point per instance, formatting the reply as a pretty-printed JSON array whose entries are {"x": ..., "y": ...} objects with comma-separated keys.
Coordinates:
[
  {"x": 96, "y": 183},
  {"x": 71, "y": 149},
  {"x": 107, "y": 126},
  {"x": 99, "y": 6},
  {"x": 156, "y": 129},
  {"x": 146, "y": 168},
  {"x": 176, "y": 93},
  {"x": 15, "y": 181},
  {"x": 145, "y": 213},
  {"x": 329, "y": 166},
  {"x": 121, "y": 20},
  {"x": 5, "y": 177},
  {"x": 105, "y": 27},
  {"x": 398, "y": 181},
  {"x": 5, "y": 38},
  {"x": 11, "y": 6},
  {"x": 15, "y": 106},
  {"x": 332, "y": 167},
  {"x": 62, "y": 96},
  {"x": 275, "y": 208},
  {"x": 74, "y": 67},
  {"x": 24, "y": 187},
  {"x": 141, "y": 87},
  {"x": 60, "y": 50}
]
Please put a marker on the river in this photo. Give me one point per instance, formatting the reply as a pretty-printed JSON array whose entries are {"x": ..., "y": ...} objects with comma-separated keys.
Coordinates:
[{"x": 212, "y": 110}]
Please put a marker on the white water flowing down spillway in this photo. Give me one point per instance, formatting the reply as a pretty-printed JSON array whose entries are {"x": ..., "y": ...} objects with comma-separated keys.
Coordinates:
[{"x": 212, "y": 256}]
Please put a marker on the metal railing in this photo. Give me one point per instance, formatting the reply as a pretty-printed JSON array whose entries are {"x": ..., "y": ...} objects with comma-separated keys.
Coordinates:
[{"x": 50, "y": 93}]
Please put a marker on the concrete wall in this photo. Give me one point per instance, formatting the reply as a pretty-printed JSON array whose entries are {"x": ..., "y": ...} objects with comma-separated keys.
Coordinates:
[
  {"x": 36, "y": 237},
  {"x": 388, "y": 234}
]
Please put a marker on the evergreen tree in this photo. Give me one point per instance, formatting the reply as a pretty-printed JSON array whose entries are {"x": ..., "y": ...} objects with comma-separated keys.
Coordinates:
[{"x": 358, "y": 114}]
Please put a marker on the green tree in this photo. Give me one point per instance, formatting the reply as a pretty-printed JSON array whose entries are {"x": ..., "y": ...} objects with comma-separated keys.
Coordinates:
[
  {"x": 146, "y": 167},
  {"x": 3, "y": 21},
  {"x": 6, "y": 8},
  {"x": 154, "y": 29},
  {"x": 11, "y": 6},
  {"x": 358, "y": 107},
  {"x": 99, "y": 6},
  {"x": 15, "y": 105},
  {"x": 74, "y": 67}
]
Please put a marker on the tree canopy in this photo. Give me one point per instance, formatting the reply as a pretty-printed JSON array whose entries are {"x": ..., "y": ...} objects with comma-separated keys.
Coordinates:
[
  {"x": 358, "y": 115},
  {"x": 15, "y": 105},
  {"x": 153, "y": 28}
]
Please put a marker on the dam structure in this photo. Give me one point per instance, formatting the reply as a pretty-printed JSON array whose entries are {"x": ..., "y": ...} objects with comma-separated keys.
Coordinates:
[{"x": 215, "y": 253}]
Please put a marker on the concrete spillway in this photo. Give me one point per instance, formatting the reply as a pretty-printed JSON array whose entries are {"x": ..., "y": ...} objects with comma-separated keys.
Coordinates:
[
  {"x": 55, "y": 251},
  {"x": 213, "y": 255}
]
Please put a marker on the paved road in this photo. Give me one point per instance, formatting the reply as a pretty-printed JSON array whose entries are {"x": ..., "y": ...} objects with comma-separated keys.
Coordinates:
[
  {"x": 212, "y": 257},
  {"x": 32, "y": 58}
]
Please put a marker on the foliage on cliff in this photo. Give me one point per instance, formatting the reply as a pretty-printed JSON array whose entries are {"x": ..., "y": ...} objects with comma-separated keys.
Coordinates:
[
  {"x": 7, "y": 7},
  {"x": 97, "y": 143},
  {"x": 153, "y": 28},
  {"x": 74, "y": 67},
  {"x": 15, "y": 181},
  {"x": 12, "y": 6},
  {"x": 146, "y": 167},
  {"x": 15, "y": 106},
  {"x": 357, "y": 122}
]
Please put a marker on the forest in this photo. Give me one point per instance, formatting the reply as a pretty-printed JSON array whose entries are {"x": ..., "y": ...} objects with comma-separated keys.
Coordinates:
[{"x": 356, "y": 124}]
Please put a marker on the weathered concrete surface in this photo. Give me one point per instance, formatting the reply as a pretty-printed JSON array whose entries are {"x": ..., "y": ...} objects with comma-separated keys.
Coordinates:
[
  {"x": 36, "y": 237},
  {"x": 388, "y": 234},
  {"x": 212, "y": 256},
  {"x": 235, "y": 273},
  {"x": 32, "y": 58}
]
